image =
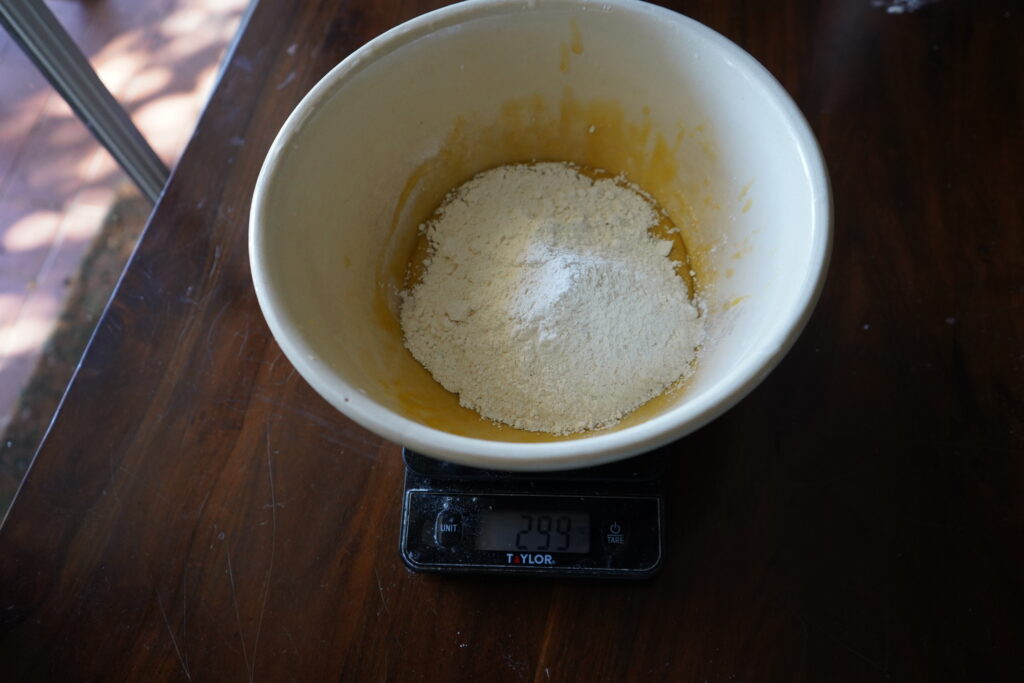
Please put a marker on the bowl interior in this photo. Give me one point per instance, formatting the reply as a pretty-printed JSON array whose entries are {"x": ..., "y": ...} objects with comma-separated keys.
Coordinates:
[{"x": 624, "y": 87}]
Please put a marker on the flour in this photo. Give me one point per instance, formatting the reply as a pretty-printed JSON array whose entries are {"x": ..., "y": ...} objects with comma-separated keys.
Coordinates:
[{"x": 545, "y": 302}]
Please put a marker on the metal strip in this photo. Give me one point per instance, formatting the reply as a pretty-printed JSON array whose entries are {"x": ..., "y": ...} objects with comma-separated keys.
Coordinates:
[{"x": 32, "y": 25}]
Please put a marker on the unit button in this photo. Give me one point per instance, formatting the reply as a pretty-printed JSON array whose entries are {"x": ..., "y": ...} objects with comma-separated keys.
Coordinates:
[
  {"x": 615, "y": 536},
  {"x": 448, "y": 528}
]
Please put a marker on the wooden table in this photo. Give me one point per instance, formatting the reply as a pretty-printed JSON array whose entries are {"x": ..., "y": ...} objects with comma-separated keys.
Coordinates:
[{"x": 198, "y": 512}]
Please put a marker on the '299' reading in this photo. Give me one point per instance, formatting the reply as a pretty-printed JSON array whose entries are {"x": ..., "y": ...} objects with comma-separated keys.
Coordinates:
[{"x": 541, "y": 531}]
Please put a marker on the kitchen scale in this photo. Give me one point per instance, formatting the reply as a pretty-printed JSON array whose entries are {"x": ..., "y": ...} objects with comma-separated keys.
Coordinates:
[{"x": 599, "y": 522}]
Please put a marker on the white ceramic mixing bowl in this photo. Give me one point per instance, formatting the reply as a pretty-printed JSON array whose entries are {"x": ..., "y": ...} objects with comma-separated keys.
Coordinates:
[{"x": 620, "y": 85}]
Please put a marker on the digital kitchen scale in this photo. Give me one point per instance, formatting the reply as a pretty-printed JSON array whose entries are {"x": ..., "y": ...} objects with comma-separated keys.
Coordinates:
[{"x": 599, "y": 522}]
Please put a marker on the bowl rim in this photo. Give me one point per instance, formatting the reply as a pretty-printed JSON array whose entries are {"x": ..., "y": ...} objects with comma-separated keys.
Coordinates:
[{"x": 590, "y": 450}]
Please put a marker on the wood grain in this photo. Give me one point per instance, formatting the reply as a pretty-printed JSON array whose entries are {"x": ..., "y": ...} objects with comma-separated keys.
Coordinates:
[{"x": 197, "y": 512}]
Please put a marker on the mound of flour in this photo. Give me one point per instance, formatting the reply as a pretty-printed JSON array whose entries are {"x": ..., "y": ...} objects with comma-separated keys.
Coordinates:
[{"x": 546, "y": 304}]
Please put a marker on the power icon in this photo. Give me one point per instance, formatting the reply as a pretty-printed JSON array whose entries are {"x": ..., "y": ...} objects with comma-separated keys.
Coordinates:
[{"x": 616, "y": 536}]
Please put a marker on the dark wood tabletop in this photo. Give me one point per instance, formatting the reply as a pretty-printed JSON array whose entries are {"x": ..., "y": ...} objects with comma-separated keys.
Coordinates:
[{"x": 197, "y": 512}]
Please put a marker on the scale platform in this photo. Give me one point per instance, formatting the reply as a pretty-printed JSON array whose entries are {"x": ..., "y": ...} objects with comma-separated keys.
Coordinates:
[{"x": 599, "y": 522}]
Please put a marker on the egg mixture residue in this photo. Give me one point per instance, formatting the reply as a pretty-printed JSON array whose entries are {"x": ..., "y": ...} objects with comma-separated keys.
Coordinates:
[{"x": 546, "y": 302}]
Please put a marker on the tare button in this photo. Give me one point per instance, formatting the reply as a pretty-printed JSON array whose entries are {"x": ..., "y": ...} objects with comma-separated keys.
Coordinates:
[
  {"x": 615, "y": 536},
  {"x": 448, "y": 528}
]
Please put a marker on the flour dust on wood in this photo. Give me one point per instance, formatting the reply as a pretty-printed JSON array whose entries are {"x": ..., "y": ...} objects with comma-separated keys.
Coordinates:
[{"x": 545, "y": 301}]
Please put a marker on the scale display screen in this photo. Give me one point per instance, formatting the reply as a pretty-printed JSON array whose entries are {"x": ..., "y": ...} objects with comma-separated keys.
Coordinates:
[
  {"x": 600, "y": 522},
  {"x": 535, "y": 531}
]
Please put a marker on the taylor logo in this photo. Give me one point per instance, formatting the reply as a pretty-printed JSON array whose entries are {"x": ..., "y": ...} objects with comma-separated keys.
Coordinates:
[{"x": 527, "y": 558}]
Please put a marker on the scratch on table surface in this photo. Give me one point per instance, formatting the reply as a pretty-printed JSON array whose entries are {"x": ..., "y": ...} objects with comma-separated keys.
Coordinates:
[
  {"x": 202, "y": 506},
  {"x": 154, "y": 490},
  {"x": 344, "y": 444},
  {"x": 549, "y": 629},
  {"x": 243, "y": 63},
  {"x": 216, "y": 259},
  {"x": 184, "y": 609},
  {"x": 352, "y": 438},
  {"x": 245, "y": 337},
  {"x": 380, "y": 589},
  {"x": 291, "y": 639},
  {"x": 213, "y": 330},
  {"x": 273, "y": 548},
  {"x": 187, "y": 297},
  {"x": 238, "y": 616},
  {"x": 174, "y": 641},
  {"x": 270, "y": 374},
  {"x": 113, "y": 488},
  {"x": 184, "y": 329},
  {"x": 287, "y": 79},
  {"x": 276, "y": 402},
  {"x": 312, "y": 417},
  {"x": 273, "y": 363}
]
